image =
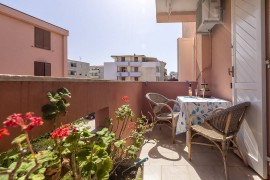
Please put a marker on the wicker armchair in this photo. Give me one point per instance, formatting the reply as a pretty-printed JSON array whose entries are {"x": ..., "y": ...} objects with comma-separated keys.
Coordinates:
[
  {"x": 221, "y": 129},
  {"x": 158, "y": 104}
]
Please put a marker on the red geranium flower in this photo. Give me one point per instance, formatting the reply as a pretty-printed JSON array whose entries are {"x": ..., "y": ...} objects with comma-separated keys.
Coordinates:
[
  {"x": 26, "y": 122},
  {"x": 125, "y": 98},
  {"x": 4, "y": 131},
  {"x": 63, "y": 131}
]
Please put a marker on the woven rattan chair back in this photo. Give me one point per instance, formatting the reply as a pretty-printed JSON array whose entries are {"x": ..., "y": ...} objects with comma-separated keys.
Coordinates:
[
  {"x": 154, "y": 99},
  {"x": 228, "y": 121},
  {"x": 159, "y": 103}
]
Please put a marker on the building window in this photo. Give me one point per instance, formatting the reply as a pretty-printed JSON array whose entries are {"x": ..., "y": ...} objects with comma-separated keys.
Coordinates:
[
  {"x": 135, "y": 59},
  {"x": 123, "y": 59},
  {"x": 72, "y": 73},
  {"x": 42, "y": 69},
  {"x": 136, "y": 78},
  {"x": 73, "y": 64},
  {"x": 123, "y": 78},
  {"x": 123, "y": 69},
  {"x": 136, "y": 69},
  {"x": 157, "y": 69},
  {"x": 42, "y": 38}
]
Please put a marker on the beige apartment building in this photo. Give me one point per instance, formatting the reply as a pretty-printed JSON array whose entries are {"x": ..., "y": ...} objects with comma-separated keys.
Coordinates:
[
  {"x": 31, "y": 46},
  {"x": 134, "y": 68},
  {"x": 78, "y": 69},
  {"x": 96, "y": 72}
]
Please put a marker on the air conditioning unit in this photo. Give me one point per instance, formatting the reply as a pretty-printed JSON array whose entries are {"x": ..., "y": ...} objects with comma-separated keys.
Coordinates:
[{"x": 208, "y": 14}]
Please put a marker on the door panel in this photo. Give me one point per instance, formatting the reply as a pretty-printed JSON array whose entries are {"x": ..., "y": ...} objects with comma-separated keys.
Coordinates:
[{"x": 249, "y": 84}]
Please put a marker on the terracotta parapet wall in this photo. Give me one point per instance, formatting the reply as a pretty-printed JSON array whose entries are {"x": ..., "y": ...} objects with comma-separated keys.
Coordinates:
[{"x": 20, "y": 94}]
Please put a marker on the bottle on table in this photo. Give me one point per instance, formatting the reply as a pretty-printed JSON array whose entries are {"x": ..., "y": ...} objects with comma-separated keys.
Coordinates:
[{"x": 189, "y": 90}]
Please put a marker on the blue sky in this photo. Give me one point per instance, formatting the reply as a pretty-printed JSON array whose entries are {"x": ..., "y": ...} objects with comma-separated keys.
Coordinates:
[{"x": 101, "y": 28}]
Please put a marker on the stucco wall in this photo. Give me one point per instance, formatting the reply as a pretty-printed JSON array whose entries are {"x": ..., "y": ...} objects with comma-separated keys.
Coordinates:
[
  {"x": 221, "y": 56},
  {"x": 18, "y": 52},
  {"x": 188, "y": 29},
  {"x": 186, "y": 64}
]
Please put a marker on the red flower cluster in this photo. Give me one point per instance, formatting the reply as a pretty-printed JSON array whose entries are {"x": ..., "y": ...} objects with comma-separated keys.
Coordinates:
[
  {"x": 26, "y": 122},
  {"x": 125, "y": 98},
  {"x": 3, "y": 131},
  {"x": 63, "y": 131}
]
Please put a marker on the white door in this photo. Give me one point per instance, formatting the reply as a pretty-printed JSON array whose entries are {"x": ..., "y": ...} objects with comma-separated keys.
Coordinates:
[{"x": 249, "y": 83}]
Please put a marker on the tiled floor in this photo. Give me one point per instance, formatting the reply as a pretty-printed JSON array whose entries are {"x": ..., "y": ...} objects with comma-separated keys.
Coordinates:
[{"x": 169, "y": 161}]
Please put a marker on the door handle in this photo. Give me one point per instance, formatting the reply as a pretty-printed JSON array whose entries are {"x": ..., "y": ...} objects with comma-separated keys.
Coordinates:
[{"x": 231, "y": 71}]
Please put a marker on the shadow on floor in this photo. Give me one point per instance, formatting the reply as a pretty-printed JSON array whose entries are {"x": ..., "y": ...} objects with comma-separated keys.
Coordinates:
[{"x": 169, "y": 161}]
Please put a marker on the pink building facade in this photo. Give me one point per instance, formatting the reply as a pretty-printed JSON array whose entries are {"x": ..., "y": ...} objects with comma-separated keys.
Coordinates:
[{"x": 30, "y": 46}]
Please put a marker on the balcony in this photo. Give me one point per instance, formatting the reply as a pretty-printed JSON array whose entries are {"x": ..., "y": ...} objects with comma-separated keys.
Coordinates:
[
  {"x": 94, "y": 71},
  {"x": 122, "y": 64},
  {"x": 95, "y": 77},
  {"x": 166, "y": 160},
  {"x": 122, "y": 74},
  {"x": 135, "y": 74},
  {"x": 135, "y": 64}
]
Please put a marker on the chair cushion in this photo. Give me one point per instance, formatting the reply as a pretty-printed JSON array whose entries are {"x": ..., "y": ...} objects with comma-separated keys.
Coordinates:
[
  {"x": 167, "y": 116},
  {"x": 209, "y": 132}
]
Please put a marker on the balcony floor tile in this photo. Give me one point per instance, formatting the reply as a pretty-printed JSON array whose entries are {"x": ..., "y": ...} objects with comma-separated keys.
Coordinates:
[{"x": 169, "y": 161}]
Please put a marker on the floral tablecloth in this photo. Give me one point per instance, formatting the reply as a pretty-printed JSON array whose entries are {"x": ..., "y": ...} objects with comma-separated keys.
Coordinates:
[{"x": 195, "y": 106}]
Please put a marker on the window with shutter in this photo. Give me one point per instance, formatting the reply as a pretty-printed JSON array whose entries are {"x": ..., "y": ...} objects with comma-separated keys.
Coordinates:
[
  {"x": 42, "y": 69},
  {"x": 42, "y": 38}
]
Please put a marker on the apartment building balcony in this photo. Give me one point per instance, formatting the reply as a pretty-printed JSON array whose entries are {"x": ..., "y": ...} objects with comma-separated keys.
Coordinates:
[
  {"x": 94, "y": 71},
  {"x": 135, "y": 64},
  {"x": 135, "y": 74},
  {"x": 123, "y": 64},
  {"x": 95, "y": 77},
  {"x": 122, "y": 74}
]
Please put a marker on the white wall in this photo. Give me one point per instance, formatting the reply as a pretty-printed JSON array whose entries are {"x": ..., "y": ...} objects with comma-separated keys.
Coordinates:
[{"x": 110, "y": 71}]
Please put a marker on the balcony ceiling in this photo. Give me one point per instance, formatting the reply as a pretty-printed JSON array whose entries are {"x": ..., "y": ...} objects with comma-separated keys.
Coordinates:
[{"x": 176, "y": 10}]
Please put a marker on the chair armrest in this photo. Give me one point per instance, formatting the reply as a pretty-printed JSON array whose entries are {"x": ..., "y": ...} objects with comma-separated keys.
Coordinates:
[
  {"x": 165, "y": 105},
  {"x": 218, "y": 109},
  {"x": 172, "y": 100}
]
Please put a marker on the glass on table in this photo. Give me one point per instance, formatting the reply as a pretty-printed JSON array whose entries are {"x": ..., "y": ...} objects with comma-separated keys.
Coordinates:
[
  {"x": 196, "y": 93},
  {"x": 203, "y": 92}
]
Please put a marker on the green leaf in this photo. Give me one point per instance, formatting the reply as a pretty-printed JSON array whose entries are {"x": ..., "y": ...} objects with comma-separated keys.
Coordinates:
[
  {"x": 19, "y": 139},
  {"x": 86, "y": 169},
  {"x": 53, "y": 97},
  {"x": 64, "y": 92},
  {"x": 87, "y": 134},
  {"x": 102, "y": 132},
  {"x": 37, "y": 176},
  {"x": 72, "y": 138},
  {"x": 82, "y": 154},
  {"x": 4, "y": 177},
  {"x": 49, "y": 111},
  {"x": 120, "y": 144},
  {"x": 104, "y": 169},
  {"x": 67, "y": 176}
]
